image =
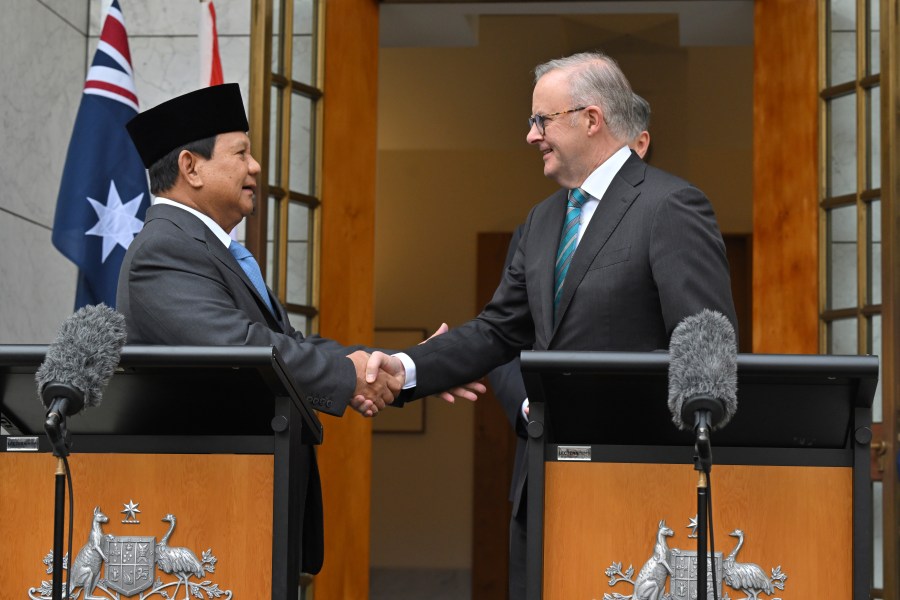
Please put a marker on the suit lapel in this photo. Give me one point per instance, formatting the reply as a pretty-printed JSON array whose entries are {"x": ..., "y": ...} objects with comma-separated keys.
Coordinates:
[
  {"x": 618, "y": 198},
  {"x": 200, "y": 232},
  {"x": 545, "y": 237}
]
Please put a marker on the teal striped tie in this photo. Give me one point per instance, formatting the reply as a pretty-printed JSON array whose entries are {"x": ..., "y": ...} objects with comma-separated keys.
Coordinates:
[{"x": 567, "y": 242}]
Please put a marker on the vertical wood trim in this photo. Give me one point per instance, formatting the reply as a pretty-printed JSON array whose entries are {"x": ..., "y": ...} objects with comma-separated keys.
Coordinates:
[
  {"x": 347, "y": 280},
  {"x": 785, "y": 177},
  {"x": 260, "y": 108}
]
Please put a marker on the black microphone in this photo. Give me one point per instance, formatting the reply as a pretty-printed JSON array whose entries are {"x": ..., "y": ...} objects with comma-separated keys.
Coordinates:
[
  {"x": 80, "y": 363},
  {"x": 703, "y": 372}
]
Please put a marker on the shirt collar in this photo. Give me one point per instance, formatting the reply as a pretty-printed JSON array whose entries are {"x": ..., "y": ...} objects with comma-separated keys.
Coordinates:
[
  {"x": 597, "y": 182},
  {"x": 212, "y": 225}
]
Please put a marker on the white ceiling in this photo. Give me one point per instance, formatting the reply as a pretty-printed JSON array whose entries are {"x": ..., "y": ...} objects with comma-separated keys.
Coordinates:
[{"x": 701, "y": 22}]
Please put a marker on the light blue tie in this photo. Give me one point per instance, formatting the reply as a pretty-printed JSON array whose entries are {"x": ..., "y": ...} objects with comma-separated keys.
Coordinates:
[
  {"x": 567, "y": 242},
  {"x": 251, "y": 268}
]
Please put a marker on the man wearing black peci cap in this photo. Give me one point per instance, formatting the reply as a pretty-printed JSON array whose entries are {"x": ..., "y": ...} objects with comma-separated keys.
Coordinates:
[{"x": 185, "y": 282}]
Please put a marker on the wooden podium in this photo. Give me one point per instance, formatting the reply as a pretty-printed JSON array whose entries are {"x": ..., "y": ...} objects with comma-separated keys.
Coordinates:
[
  {"x": 612, "y": 489},
  {"x": 215, "y": 439}
]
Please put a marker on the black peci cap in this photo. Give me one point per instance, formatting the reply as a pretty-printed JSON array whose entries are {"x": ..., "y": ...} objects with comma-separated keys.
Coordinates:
[{"x": 194, "y": 116}]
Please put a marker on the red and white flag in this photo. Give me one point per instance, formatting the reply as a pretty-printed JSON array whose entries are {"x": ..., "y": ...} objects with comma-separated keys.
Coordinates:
[{"x": 210, "y": 63}]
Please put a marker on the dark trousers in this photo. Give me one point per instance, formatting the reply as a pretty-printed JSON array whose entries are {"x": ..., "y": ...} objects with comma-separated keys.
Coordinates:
[{"x": 517, "y": 551}]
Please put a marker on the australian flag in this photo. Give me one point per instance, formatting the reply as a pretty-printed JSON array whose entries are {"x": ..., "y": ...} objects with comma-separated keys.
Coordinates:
[{"x": 103, "y": 194}]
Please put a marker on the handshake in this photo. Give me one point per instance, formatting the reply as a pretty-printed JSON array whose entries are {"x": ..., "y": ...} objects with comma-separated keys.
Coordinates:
[{"x": 380, "y": 378}]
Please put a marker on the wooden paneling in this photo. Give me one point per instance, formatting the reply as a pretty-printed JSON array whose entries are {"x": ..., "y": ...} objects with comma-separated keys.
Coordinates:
[
  {"x": 495, "y": 449},
  {"x": 220, "y": 502},
  {"x": 347, "y": 279},
  {"x": 785, "y": 176},
  {"x": 795, "y": 517}
]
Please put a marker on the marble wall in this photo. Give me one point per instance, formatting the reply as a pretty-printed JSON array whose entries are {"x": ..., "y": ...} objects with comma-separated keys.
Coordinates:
[
  {"x": 48, "y": 47},
  {"x": 44, "y": 49}
]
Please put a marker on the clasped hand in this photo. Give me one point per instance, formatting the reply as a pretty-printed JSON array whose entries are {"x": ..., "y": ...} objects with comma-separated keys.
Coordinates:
[
  {"x": 383, "y": 376},
  {"x": 375, "y": 387}
]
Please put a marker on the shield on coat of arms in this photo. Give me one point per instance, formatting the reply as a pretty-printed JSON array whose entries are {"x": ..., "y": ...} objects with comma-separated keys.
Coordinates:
[
  {"x": 130, "y": 563},
  {"x": 683, "y": 582}
]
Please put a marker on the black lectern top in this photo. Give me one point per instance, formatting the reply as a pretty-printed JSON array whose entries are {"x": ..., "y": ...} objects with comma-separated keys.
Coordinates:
[
  {"x": 620, "y": 398},
  {"x": 165, "y": 390}
]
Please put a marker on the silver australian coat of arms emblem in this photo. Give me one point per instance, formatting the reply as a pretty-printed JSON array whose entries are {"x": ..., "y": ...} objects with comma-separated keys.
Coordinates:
[
  {"x": 679, "y": 569},
  {"x": 110, "y": 567}
]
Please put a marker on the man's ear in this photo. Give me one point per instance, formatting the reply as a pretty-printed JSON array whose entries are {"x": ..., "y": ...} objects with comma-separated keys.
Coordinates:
[
  {"x": 594, "y": 119},
  {"x": 642, "y": 143},
  {"x": 187, "y": 167}
]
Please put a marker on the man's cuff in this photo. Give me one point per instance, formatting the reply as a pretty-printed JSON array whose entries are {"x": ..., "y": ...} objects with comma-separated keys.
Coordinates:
[
  {"x": 410, "y": 367},
  {"x": 522, "y": 410}
]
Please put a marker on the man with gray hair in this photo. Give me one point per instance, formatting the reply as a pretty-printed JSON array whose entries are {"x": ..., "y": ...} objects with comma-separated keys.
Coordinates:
[
  {"x": 509, "y": 387},
  {"x": 614, "y": 260}
]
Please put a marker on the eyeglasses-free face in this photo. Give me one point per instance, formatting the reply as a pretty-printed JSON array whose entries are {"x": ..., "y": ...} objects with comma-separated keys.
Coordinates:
[{"x": 539, "y": 120}]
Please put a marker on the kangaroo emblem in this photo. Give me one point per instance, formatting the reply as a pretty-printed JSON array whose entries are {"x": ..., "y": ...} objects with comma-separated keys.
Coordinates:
[
  {"x": 86, "y": 568},
  {"x": 651, "y": 580}
]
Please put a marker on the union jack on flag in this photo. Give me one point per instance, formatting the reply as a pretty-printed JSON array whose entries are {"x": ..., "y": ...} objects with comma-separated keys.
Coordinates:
[{"x": 103, "y": 194}]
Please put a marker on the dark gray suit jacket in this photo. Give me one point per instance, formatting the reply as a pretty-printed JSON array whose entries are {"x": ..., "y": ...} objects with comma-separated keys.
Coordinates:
[
  {"x": 179, "y": 285},
  {"x": 651, "y": 255}
]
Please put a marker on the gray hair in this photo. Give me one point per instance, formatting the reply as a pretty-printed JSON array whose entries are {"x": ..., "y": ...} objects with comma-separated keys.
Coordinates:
[
  {"x": 640, "y": 116},
  {"x": 596, "y": 79}
]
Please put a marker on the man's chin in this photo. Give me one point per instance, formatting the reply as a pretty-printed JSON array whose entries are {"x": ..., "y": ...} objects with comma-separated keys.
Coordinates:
[{"x": 551, "y": 173}]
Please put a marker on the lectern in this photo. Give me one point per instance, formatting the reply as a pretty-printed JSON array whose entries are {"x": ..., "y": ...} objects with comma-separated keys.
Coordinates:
[
  {"x": 611, "y": 488},
  {"x": 215, "y": 439}
]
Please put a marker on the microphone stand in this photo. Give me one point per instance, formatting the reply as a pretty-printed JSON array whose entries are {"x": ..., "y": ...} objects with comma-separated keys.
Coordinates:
[
  {"x": 55, "y": 426},
  {"x": 703, "y": 411},
  {"x": 703, "y": 464},
  {"x": 59, "y": 508}
]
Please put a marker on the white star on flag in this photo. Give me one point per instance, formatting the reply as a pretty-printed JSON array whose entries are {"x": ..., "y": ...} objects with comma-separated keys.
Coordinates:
[{"x": 117, "y": 222}]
